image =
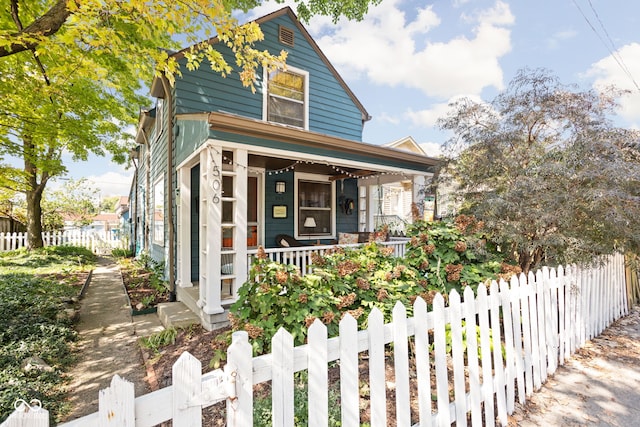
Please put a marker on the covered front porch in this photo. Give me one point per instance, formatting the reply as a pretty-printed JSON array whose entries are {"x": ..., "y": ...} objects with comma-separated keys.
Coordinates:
[{"x": 233, "y": 197}]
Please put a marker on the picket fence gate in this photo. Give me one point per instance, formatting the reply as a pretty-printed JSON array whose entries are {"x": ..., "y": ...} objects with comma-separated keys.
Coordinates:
[
  {"x": 97, "y": 241},
  {"x": 540, "y": 320}
]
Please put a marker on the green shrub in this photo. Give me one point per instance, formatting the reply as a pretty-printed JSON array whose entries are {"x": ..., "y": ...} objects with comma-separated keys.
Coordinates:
[
  {"x": 47, "y": 259},
  {"x": 454, "y": 254},
  {"x": 29, "y": 307},
  {"x": 343, "y": 281},
  {"x": 121, "y": 253},
  {"x": 160, "y": 339}
]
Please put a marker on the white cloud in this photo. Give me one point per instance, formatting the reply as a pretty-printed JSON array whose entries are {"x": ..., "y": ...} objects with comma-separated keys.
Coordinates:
[
  {"x": 430, "y": 116},
  {"x": 387, "y": 118},
  {"x": 432, "y": 149},
  {"x": 384, "y": 48},
  {"x": 393, "y": 47},
  {"x": 111, "y": 183},
  {"x": 554, "y": 41},
  {"x": 607, "y": 72}
]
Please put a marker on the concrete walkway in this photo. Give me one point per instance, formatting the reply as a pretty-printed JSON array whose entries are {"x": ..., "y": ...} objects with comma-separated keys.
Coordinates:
[
  {"x": 598, "y": 386},
  {"x": 107, "y": 342}
]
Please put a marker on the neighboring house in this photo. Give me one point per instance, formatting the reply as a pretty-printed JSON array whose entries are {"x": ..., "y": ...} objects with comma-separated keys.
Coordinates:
[
  {"x": 222, "y": 170},
  {"x": 395, "y": 199},
  {"x": 101, "y": 223}
]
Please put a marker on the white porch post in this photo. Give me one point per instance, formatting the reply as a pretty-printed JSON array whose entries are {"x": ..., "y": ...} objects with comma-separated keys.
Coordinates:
[
  {"x": 240, "y": 237},
  {"x": 183, "y": 258},
  {"x": 211, "y": 241},
  {"x": 419, "y": 181}
]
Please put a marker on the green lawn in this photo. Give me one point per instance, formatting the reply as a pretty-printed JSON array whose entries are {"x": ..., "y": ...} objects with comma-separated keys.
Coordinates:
[{"x": 35, "y": 289}]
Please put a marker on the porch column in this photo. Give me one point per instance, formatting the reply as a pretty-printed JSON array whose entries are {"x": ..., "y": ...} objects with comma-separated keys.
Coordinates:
[
  {"x": 240, "y": 231},
  {"x": 211, "y": 239}
]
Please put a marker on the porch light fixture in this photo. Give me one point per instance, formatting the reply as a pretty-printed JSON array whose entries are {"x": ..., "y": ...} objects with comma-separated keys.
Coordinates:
[{"x": 281, "y": 187}]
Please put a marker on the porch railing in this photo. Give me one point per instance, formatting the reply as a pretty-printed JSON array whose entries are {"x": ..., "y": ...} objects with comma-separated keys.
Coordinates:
[{"x": 301, "y": 256}]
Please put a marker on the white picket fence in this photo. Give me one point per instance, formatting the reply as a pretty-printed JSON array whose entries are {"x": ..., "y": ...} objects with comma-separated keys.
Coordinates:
[
  {"x": 97, "y": 241},
  {"x": 539, "y": 321}
]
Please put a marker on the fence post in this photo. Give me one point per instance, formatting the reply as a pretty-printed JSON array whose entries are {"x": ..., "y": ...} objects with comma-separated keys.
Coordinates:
[
  {"x": 30, "y": 414},
  {"x": 116, "y": 404},
  {"x": 282, "y": 378},
  {"x": 377, "y": 381},
  {"x": 187, "y": 384},
  {"x": 349, "y": 387},
  {"x": 318, "y": 375},
  {"x": 240, "y": 366}
]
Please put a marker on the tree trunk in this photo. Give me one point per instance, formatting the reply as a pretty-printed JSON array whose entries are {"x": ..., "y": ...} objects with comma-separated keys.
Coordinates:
[
  {"x": 34, "y": 218},
  {"x": 33, "y": 192}
]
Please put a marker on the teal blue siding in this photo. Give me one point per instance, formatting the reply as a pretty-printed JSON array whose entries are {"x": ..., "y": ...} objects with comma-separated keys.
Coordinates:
[
  {"x": 191, "y": 134},
  {"x": 158, "y": 171},
  {"x": 275, "y": 226},
  {"x": 344, "y": 223},
  {"x": 347, "y": 223},
  {"x": 331, "y": 109}
]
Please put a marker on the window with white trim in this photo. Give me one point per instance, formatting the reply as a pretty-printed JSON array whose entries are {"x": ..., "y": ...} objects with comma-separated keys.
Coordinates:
[
  {"x": 287, "y": 97},
  {"x": 159, "y": 124},
  {"x": 315, "y": 207}
]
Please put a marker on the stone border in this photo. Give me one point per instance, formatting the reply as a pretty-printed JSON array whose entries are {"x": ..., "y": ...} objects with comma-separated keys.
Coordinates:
[{"x": 86, "y": 285}]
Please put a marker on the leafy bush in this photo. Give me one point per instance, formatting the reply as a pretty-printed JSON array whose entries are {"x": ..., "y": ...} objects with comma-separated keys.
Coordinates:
[
  {"x": 47, "y": 259},
  {"x": 440, "y": 256},
  {"x": 454, "y": 254},
  {"x": 343, "y": 281},
  {"x": 121, "y": 253},
  {"x": 29, "y": 307}
]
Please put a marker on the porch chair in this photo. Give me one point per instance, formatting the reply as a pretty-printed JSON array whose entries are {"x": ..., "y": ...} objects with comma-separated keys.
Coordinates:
[{"x": 287, "y": 241}]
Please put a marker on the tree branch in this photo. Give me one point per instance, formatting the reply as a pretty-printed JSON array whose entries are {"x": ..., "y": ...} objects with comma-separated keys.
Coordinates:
[{"x": 45, "y": 25}]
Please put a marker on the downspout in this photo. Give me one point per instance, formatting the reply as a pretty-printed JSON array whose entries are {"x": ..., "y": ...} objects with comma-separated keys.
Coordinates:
[{"x": 169, "y": 104}]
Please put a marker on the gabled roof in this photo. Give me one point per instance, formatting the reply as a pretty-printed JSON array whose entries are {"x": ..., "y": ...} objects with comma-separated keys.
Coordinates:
[
  {"x": 156, "y": 85},
  {"x": 407, "y": 144}
]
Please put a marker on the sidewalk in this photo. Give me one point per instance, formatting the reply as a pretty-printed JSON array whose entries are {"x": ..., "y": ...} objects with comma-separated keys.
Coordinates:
[
  {"x": 598, "y": 386},
  {"x": 107, "y": 342}
]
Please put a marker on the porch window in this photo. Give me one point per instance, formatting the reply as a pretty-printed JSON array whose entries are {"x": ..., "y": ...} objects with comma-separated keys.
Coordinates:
[
  {"x": 315, "y": 207},
  {"x": 287, "y": 97}
]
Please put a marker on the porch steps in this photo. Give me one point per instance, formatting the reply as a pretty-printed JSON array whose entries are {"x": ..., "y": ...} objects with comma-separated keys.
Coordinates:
[
  {"x": 177, "y": 315},
  {"x": 189, "y": 297}
]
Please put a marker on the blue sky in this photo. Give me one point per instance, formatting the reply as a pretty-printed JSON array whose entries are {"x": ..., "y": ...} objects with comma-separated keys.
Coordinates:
[{"x": 408, "y": 59}]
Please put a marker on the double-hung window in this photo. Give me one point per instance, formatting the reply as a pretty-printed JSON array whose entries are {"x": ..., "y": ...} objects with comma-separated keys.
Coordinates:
[
  {"x": 315, "y": 206},
  {"x": 287, "y": 97}
]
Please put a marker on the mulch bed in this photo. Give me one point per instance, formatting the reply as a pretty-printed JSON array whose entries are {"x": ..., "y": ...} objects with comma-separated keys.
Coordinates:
[{"x": 137, "y": 282}]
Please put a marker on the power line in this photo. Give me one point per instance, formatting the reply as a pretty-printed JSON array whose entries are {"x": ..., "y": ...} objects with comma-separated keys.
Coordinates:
[{"x": 610, "y": 48}]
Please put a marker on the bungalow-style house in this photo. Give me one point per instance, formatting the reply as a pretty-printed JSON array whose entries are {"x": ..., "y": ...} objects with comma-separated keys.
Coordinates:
[{"x": 222, "y": 170}]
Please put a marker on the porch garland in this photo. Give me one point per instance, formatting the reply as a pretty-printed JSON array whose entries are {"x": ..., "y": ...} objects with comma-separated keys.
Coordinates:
[{"x": 309, "y": 162}]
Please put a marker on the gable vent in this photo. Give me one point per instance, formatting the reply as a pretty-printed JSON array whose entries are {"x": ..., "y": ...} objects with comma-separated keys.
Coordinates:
[{"x": 285, "y": 35}]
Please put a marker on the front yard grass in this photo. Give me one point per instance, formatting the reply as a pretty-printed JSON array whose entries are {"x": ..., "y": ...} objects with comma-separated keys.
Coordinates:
[{"x": 38, "y": 297}]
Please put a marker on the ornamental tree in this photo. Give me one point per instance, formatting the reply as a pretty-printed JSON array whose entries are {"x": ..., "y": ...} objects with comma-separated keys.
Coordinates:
[
  {"x": 545, "y": 168},
  {"x": 71, "y": 74}
]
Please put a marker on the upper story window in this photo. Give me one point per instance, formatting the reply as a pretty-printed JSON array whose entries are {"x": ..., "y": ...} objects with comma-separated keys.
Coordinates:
[
  {"x": 159, "y": 124},
  {"x": 287, "y": 97}
]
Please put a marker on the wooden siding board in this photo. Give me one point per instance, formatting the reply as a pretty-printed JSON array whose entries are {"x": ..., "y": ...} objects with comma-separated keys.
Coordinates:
[
  {"x": 275, "y": 226},
  {"x": 191, "y": 135},
  {"x": 331, "y": 109}
]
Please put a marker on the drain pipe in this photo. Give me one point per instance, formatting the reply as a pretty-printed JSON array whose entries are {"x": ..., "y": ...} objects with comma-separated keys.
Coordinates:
[{"x": 169, "y": 104}]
